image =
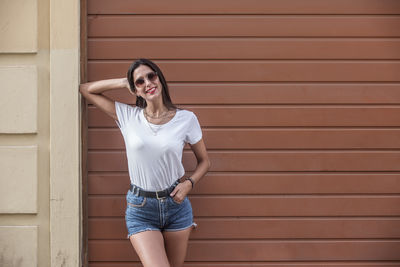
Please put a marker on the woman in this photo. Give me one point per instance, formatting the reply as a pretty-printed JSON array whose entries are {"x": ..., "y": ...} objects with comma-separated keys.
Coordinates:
[{"x": 158, "y": 216}]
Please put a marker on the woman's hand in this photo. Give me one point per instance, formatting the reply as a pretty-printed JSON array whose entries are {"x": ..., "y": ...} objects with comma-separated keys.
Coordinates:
[
  {"x": 126, "y": 83},
  {"x": 181, "y": 191},
  {"x": 203, "y": 164}
]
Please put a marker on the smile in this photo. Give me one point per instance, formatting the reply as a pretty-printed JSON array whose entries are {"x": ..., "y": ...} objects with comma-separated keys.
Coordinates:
[{"x": 151, "y": 90}]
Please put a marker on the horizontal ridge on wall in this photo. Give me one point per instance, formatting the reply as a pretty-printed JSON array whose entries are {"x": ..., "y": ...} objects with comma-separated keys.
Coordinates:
[
  {"x": 228, "y": 93},
  {"x": 248, "y": 183},
  {"x": 266, "y": 206},
  {"x": 243, "y": 26},
  {"x": 283, "y": 116},
  {"x": 269, "y": 138},
  {"x": 268, "y": 161},
  {"x": 244, "y": 7},
  {"x": 259, "y": 71},
  {"x": 115, "y": 250},
  {"x": 243, "y": 48},
  {"x": 265, "y": 228}
]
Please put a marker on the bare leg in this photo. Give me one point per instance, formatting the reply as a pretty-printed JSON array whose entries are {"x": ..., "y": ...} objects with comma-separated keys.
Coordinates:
[
  {"x": 149, "y": 245},
  {"x": 176, "y": 243}
]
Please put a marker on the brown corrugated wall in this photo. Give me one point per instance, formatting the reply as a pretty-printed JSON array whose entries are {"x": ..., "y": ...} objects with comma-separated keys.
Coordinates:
[{"x": 299, "y": 104}]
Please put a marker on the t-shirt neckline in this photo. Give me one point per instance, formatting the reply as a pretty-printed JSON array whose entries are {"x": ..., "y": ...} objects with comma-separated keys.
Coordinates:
[{"x": 164, "y": 124}]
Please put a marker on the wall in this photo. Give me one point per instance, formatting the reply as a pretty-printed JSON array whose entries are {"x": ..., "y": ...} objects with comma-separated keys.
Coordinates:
[{"x": 299, "y": 103}]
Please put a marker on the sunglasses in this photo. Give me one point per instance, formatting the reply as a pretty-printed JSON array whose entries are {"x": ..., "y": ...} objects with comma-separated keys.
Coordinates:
[{"x": 151, "y": 76}]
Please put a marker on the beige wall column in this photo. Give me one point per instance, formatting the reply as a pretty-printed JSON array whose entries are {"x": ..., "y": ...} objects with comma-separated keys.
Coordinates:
[{"x": 65, "y": 191}]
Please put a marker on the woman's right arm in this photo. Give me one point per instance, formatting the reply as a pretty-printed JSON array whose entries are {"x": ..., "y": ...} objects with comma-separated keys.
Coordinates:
[{"x": 92, "y": 91}]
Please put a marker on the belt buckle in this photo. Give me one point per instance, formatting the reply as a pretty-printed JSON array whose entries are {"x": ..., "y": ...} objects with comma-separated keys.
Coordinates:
[
  {"x": 159, "y": 198},
  {"x": 135, "y": 191}
]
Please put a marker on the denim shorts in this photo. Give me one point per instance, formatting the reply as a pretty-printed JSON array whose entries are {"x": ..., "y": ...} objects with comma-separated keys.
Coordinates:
[{"x": 152, "y": 214}]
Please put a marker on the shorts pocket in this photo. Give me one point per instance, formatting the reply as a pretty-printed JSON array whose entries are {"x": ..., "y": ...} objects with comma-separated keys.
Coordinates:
[
  {"x": 173, "y": 200},
  {"x": 135, "y": 201}
]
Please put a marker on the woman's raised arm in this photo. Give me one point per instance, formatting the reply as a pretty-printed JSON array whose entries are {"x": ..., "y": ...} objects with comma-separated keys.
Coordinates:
[{"x": 92, "y": 91}]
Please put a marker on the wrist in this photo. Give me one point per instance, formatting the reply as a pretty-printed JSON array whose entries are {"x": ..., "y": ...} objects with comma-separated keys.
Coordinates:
[
  {"x": 190, "y": 181},
  {"x": 124, "y": 82}
]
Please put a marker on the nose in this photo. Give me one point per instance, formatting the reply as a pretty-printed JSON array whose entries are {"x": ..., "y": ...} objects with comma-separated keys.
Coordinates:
[{"x": 147, "y": 82}]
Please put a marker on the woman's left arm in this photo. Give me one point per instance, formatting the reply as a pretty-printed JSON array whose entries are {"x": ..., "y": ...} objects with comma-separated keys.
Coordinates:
[{"x": 203, "y": 164}]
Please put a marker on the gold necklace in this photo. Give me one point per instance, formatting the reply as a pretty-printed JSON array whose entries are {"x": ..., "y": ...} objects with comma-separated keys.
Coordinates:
[
  {"x": 159, "y": 117},
  {"x": 157, "y": 128}
]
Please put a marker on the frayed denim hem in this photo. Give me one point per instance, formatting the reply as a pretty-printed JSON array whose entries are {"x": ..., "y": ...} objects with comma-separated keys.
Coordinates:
[
  {"x": 147, "y": 229},
  {"x": 194, "y": 225}
]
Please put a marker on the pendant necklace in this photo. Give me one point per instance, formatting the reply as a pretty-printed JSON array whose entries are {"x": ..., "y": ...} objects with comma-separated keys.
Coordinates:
[{"x": 157, "y": 127}]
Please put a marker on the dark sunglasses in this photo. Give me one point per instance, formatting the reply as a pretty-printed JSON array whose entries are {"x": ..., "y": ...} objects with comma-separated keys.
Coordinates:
[{"x": 151, "y": 76}]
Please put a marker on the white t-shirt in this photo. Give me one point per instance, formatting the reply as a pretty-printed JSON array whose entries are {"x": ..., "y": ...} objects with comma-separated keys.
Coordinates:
[{"x": 155, "y": 161}]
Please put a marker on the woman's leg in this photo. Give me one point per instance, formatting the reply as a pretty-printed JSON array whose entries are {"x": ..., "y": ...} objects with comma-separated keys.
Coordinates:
[
  {"x": 176, "y": 243},
  {"x": 149, "y": 245}
]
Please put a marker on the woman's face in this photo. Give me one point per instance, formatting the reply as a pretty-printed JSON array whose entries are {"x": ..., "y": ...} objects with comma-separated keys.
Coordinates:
[{"x": 147, "y": 83}]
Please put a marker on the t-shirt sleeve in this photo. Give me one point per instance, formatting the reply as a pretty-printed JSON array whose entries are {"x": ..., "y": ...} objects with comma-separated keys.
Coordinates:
[
  {"x": 194, "y": 133},
  {"x": 124, "y": 112}
]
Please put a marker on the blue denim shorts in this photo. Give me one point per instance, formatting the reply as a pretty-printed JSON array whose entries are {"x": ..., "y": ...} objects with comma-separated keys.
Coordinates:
[{"x": 152, "y": 214}]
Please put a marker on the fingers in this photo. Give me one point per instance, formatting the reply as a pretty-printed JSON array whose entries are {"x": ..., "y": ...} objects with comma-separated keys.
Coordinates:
[
  {"x": 180, "y": 191},
  {"x": 178, "y": 194},
  {"x": 177, "y": 198},
  {"x": 174, "y": 191}
]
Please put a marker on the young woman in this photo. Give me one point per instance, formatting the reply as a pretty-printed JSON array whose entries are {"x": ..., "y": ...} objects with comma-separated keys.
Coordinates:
[{"x": 159, "y": 215}]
